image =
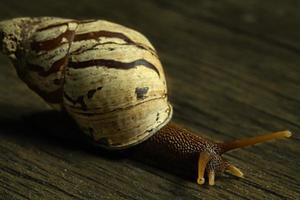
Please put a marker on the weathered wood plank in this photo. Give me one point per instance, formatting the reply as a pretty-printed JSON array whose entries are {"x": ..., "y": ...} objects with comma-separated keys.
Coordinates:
[
  {"x": 233, "y": 71},
  {"x": 274, "y": 22}
]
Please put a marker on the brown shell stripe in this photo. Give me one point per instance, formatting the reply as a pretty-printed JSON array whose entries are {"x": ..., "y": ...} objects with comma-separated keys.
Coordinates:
[
  {"x": 100, "y": 62},
  {"x": 57, "y": 65},
  {"x": 110, "y": 34},
  {"x": 70, "y": 35},
  {"x": 80, "y": 99},
  {"x": 53, "y": 43},
  {"x": 55, "y": 25},
  {"x": 112, "y": 64},
  {"x": 48, "y": 45}
]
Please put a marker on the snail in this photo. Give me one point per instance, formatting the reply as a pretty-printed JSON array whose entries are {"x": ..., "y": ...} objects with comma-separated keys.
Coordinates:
[{"x": 110, "y": 80}]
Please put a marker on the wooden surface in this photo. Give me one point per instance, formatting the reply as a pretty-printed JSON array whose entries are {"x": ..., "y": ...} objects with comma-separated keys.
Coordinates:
[{"x": 233, "y": 71}]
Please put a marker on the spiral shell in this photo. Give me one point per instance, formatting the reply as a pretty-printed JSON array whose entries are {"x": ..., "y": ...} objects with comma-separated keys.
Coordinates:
[{"x": 106, "y": 76}]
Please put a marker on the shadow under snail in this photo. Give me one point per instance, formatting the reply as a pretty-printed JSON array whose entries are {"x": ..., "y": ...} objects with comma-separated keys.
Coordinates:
[{"x": 109, "y": 79}]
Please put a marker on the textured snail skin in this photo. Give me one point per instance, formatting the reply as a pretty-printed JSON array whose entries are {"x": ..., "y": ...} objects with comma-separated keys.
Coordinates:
[
  {"x": 181, "y": 142},
  {"x": 109, "y": 79},
  {"x": 175, "y": 143}
]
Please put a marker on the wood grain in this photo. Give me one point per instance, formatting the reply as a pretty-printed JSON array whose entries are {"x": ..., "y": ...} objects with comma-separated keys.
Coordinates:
[{"x": 232, "y": 70}]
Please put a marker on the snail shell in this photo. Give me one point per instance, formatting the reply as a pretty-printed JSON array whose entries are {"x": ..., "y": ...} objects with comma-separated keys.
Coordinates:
[{"x": 106, "y": 76}]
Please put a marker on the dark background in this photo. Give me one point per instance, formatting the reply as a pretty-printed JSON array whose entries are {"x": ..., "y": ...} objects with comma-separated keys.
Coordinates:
[{"x": 232, "y": 68}]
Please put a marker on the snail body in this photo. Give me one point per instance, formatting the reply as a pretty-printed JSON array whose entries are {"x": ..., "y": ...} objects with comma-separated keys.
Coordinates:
[{"x": 109, "y": 79}]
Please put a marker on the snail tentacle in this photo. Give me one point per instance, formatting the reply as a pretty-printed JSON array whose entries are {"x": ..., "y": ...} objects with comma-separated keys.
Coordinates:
[{"x": 204, "y": 158}]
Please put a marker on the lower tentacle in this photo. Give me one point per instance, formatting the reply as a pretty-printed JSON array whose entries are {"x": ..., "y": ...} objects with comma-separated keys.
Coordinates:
[
  {"x": 234, "y": 171},
  {"x": 211, "y": 177},
  {"x": 211, "y": 164},
  {"x": 204, "y": 158}
]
